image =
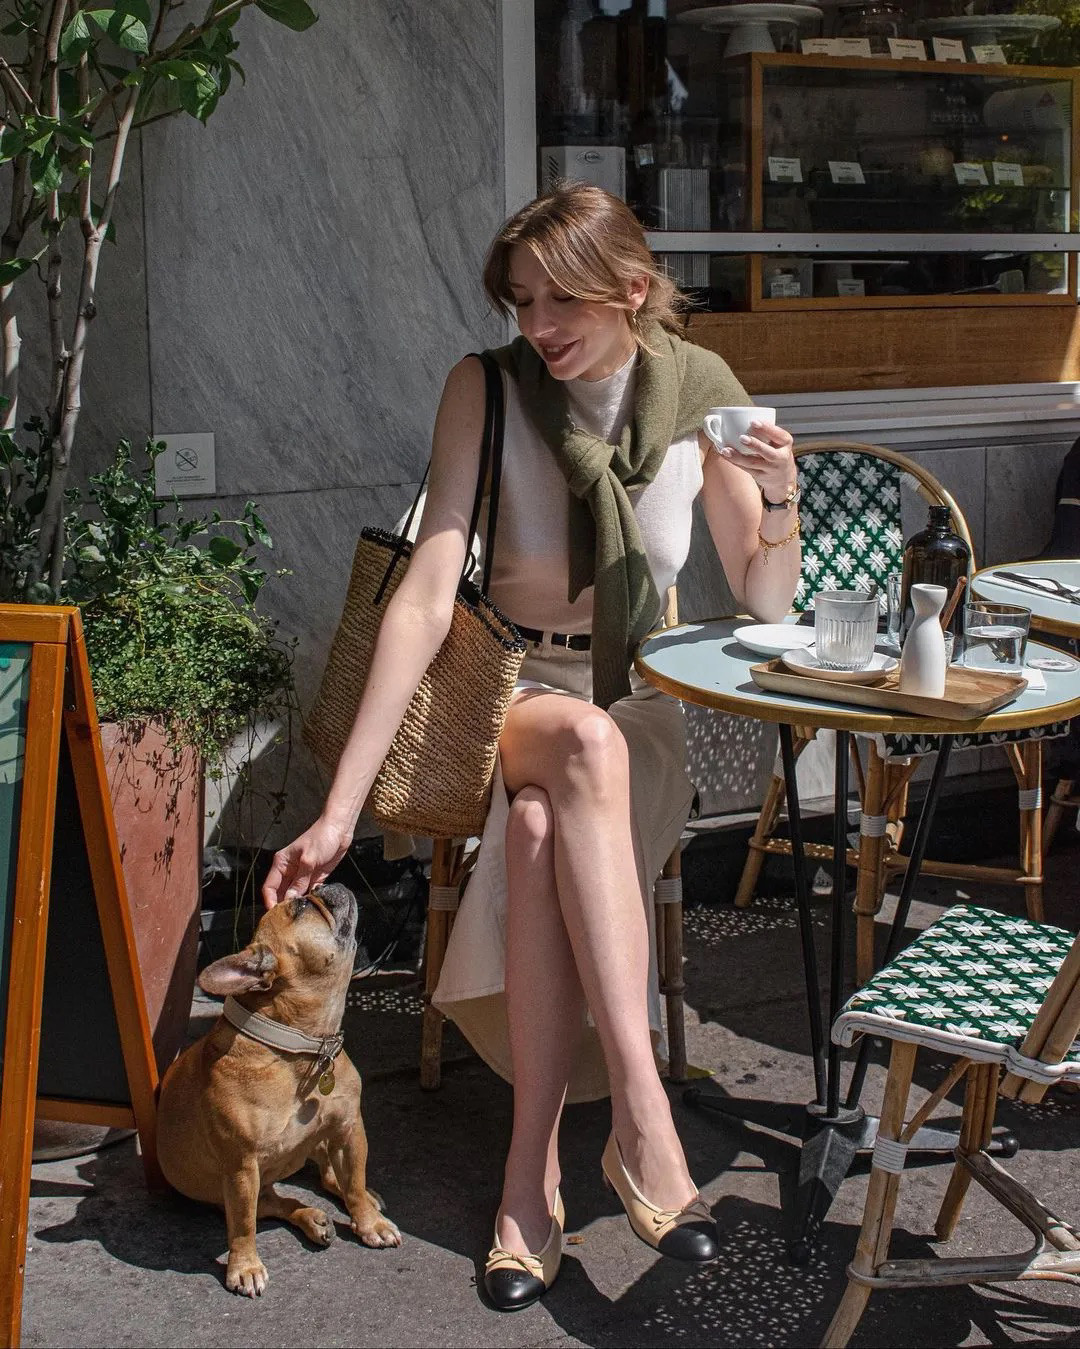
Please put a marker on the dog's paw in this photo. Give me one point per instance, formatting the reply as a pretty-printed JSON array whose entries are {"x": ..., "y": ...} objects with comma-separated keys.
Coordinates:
[
  {"x": 377, "y": 1231},
  {"x": 316, "y": 1226},
  {"x": 246, "y": 1276}
]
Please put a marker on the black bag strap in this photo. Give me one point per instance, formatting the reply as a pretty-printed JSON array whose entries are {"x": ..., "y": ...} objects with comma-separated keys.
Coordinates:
[{"x": 491, "y": 450}]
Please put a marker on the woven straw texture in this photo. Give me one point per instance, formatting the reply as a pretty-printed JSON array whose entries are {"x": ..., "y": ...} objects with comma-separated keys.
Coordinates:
[{"x": 436, "y": 779}]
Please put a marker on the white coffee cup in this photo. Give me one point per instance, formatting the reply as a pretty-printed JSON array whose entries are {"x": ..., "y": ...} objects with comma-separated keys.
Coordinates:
[{"x": 725, "y": 426}]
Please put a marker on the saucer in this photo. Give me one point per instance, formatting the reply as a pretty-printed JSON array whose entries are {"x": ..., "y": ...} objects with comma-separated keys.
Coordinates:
[
  {"x": 773, "y": 639},
  {"x": 805, "y": 662}
]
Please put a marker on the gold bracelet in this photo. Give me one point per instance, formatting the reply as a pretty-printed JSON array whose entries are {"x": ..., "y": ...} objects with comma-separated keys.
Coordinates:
[{"x": 770, "y": 544}]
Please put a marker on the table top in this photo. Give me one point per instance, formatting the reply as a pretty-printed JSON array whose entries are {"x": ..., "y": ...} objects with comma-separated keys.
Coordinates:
[
  {"x": 702, "y": 663},
  {"x": 1048, "y": 613}
]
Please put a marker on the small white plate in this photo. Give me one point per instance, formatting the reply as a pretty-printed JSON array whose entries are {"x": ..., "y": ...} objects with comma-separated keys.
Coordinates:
[
  {"x": 804, "y": 662},
  {"x": 773, "y": 639}
]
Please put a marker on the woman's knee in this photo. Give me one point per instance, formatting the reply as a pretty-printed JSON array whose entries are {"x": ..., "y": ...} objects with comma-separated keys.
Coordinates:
[
  {"x": 530, "y": 824},
  {"x": 595, "y": 749}
]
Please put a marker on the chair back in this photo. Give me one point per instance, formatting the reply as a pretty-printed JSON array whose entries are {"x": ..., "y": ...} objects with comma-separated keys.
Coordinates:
[
  {"x": 852, "y": 531},
  {"x": 1052, "y": 1036}
]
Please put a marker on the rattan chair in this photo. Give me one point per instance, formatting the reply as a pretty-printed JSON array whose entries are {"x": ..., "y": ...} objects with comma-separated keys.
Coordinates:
[
  {"x": 451, "y": 861},
  {"x": 844, "y": 484},
  {"x": 973, "y": 987}
]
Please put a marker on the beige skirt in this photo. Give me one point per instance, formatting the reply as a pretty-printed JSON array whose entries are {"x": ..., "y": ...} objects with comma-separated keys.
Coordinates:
[{"x": 472, "y": 981}]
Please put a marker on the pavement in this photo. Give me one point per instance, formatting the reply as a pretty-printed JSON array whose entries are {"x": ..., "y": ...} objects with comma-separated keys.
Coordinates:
[{"x": 110, "y": 1264}]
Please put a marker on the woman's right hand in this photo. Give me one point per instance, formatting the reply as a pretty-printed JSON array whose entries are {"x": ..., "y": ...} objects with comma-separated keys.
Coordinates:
[{"x": 306, "y": 861}]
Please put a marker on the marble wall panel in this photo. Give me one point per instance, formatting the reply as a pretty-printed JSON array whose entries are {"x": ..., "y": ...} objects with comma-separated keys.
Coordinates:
[
  {"x": 317, "y": 247},
  {"x": 1020, "y": 499},
  {"x": 314, "y": 535}
]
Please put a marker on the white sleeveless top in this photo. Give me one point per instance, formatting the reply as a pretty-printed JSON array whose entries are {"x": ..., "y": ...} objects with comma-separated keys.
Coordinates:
[{"x": 530, "y": 572}]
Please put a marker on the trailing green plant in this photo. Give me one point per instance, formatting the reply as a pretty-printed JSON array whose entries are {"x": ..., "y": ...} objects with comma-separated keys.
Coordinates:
[
  {"x": 77, "y": 78},
  {"x": 168, "y": 601}
]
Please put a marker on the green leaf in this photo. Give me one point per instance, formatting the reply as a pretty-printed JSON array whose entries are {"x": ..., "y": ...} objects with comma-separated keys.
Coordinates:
[
  {"x": 13, "y": 268},
  {"x": 45, "y": 172},
  {"x": 12, "y": 143},
  {"x": 130, "y": 33},
  {"x": 76, "y": 38},
  {"x": 224, "y": 551},
  {"x": 294, "y": 14},
  {"x": 199, "y": 96}
]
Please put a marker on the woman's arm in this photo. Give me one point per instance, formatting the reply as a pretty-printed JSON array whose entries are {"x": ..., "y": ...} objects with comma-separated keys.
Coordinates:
[
  {"x": 415, "y": 623},
  {"x": 762, "y": 579}
]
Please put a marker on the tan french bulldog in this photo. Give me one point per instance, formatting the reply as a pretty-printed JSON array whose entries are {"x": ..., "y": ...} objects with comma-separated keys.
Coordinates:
[{"x": 270, "y": 1087}]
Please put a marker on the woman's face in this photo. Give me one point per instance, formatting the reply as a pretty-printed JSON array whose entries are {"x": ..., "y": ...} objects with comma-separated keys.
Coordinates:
[{"x": 576, "y": 339}]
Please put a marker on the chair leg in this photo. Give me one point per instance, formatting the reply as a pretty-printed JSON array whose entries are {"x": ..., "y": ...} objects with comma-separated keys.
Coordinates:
[
  {"x": 667, "y": 897},
  {"x": 878, "y": 1214},
  {"x": 440, "y": 918},
  {"x": 980, "y": 1104},
  {"x": 870, "y": 877},
  {"x": 764, "y": 829},
  {"x": 1028, "y": 771},
  {"x": 1059, "y": 803}
]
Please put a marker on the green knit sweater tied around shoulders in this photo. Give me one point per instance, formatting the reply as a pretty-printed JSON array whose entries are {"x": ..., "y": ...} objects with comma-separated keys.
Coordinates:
[{"x": 677, "y": 383}]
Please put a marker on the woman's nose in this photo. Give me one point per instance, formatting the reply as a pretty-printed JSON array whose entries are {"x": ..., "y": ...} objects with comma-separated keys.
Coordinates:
[{"x": 539, "y": 322}]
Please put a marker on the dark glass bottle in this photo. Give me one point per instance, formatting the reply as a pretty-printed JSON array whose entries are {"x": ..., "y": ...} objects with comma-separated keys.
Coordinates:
[{"x": 935, "y": 556}]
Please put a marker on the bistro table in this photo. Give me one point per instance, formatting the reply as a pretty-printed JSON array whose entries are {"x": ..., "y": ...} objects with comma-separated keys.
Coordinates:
[
  {"x": 702, "y": 663},
  {"x": 1056, "y": 614},
  {"x": 1052, "y": 613}
]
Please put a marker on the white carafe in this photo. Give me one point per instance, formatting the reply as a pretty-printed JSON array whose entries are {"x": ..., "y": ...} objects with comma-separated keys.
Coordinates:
[{"x": 922, "y": 661}]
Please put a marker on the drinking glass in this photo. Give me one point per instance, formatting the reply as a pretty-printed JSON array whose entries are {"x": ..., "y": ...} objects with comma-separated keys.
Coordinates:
[
  {"x": 995, "y": 636},
  {"x": 893, "y": 586},
  {"x": 845, "y": 625}
]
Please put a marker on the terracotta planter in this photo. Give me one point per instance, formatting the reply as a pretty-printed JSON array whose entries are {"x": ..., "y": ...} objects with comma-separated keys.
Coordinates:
[{"x": 157, "y": 796}]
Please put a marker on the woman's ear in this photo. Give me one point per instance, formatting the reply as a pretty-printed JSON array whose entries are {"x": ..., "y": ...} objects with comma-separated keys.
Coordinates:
[{"x": 637, "y": 292}]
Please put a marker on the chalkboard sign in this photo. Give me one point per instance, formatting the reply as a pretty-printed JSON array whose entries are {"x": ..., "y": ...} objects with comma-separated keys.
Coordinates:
[{"x": 74, "y": 1035}]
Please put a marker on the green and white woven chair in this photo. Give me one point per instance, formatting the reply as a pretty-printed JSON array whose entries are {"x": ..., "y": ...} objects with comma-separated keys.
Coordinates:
[
  {"x": 991, "y": 992},
  {"x": 852, "y": 537}
]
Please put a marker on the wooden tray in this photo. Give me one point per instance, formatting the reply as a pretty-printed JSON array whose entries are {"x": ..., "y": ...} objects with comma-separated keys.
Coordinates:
[{"x": 969, "y": 694}]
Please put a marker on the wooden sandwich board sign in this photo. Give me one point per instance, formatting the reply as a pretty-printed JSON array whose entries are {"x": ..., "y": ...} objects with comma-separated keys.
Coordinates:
[{"x": 74, "y": 1030}]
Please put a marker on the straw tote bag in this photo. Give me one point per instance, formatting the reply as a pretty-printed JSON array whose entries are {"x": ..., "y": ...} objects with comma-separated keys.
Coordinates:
[{"x": 436, "y": 778}]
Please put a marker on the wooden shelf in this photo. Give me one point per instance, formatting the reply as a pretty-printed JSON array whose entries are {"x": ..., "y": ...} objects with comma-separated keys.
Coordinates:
[{"x": 822, "y": 350}]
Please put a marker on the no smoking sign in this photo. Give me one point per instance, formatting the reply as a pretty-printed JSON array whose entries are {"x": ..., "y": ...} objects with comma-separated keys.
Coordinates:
[{"x": 186, "y": 465}]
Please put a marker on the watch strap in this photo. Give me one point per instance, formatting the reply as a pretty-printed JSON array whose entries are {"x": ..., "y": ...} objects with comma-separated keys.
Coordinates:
[{"x": 792, "y": 499}]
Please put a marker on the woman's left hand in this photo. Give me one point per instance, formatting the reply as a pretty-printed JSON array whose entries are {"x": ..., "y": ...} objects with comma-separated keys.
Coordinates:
[{"x": 766, "y": 455}]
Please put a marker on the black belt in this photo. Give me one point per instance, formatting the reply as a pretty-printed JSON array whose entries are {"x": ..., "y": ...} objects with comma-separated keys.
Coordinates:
[{"x": 581, "y": 642}]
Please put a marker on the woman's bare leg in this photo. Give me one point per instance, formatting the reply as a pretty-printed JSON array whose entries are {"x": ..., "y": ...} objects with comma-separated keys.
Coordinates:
[
  {"x": 577, "y": 755},
  {"x": 545, "y": 1009}
]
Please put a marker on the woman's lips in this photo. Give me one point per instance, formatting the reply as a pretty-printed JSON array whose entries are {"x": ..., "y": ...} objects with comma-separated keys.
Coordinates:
[{"x": 552, "y": 353}]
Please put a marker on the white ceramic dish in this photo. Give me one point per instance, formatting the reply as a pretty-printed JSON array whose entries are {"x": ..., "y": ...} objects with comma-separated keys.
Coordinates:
[
  {"x": 773, "y": 639},
  {"x": 805, "y": 662}
]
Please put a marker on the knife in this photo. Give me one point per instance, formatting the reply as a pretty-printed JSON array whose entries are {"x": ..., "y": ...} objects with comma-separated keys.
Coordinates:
[{"x": 1041, "y": 584}]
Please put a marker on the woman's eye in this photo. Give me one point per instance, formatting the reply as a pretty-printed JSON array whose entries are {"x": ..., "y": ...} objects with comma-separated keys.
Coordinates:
[
  {"x": 522, "y": 304},
  {"x": 563, "y": 299}
]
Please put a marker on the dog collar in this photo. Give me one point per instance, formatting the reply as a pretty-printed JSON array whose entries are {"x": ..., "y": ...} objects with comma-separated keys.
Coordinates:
[{"x": 276, "y": 1035}]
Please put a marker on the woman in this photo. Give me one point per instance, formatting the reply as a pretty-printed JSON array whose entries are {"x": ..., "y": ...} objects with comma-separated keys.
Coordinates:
[{"x": 551, "y": 968}]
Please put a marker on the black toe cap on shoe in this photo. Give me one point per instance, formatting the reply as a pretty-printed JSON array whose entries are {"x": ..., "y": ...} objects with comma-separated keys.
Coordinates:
[
  {"x": 510, "y": 1289},
  {"x": 691, "y": 1241}
]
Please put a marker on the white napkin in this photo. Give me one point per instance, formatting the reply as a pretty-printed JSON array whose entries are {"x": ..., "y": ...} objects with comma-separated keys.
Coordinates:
[{"x": 1036, "y": 680}]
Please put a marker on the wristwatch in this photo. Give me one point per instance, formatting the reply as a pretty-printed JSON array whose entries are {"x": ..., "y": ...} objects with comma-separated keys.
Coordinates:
[{"x": 792, "y": 499}]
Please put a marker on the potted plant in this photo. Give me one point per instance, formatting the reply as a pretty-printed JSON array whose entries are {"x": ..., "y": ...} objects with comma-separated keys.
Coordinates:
[{"x": 181, "y": 662}]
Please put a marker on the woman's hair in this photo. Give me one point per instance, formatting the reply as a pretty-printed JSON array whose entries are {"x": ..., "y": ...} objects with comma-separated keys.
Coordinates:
[{"x": 592, "y": 246}]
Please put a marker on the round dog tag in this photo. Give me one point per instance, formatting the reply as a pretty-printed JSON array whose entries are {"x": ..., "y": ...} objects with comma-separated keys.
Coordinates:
[{"x": 326, "y": 1082}]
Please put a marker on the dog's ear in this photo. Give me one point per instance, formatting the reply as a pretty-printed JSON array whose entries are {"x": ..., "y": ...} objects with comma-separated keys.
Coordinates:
[{"x": 252, "y": 968}]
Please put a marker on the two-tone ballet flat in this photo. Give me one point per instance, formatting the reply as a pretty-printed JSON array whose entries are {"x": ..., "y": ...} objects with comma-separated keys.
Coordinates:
[
  {"x": 688, "y": 1233},
  {"x": 513, "y": 1281}
]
